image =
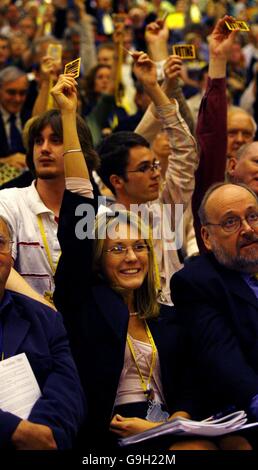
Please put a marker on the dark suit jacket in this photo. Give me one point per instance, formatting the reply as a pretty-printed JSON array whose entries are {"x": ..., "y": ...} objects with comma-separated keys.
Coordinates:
[
  {"x": 35, "y": 329},
  {"x": 4, "y": 145},
  {"x": 220, "y": 312},
  {"x": 97, "y": 328}
]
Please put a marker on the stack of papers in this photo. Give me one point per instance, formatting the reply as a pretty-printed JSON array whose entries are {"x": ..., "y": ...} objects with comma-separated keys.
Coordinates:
[{"x": 186, "y": 427}]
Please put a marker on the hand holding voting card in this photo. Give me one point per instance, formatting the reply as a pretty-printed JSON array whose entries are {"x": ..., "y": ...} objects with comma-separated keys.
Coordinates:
[
  {"x": 19, "y": 389},
  {"x": 186, "y": 427}
]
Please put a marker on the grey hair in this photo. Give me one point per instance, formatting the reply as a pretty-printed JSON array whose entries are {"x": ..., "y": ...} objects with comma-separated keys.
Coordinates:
[
  {"x": 243, "y": 150},
  {"x": 43, "y": 40},
  {"x": 202, "y": 209},
  {"x": 9, "y": 228},
  {"x": 10, "y": 74},
  {"x": 237, "y": 109}
]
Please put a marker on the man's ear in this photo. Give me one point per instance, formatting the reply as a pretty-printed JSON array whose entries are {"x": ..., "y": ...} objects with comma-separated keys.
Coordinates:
[
  {"x": 206, "y": 237},
  {"x": 231, "y": 166},
  {"x": 117, "y": 182}
]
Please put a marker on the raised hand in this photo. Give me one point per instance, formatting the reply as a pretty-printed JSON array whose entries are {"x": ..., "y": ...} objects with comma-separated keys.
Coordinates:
[
  {"x": 156, "y": 32},
  {"x": 50, "y": 68},
  {"x": 222, "y": 39},
  {"x": 65, "y": 93},
  {"x": 144, "y": 69},
  {"x": 173, "y": 69},
  {"x": 156, "y": 36}
]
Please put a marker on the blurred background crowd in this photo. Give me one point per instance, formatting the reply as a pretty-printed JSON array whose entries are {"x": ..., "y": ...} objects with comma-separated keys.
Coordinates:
[{"x": 103, "y": 33}]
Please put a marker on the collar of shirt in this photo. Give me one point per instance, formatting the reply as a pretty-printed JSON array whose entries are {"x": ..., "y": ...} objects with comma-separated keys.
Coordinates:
[
  {"x": 35, "y": 202},
  {"x": 252, "y": 283}
]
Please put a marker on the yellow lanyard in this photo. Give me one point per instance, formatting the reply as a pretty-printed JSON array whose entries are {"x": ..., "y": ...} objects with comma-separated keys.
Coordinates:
[
  {"x": 50, "y": 99},
  {"x": 46, "y": 246},
  {"x": 118, "y": 78},
  {"x": 146, "y": 387}
]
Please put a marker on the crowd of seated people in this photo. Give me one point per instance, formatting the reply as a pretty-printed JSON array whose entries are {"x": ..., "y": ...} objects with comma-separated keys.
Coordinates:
[{"x": 129, "y": 219}]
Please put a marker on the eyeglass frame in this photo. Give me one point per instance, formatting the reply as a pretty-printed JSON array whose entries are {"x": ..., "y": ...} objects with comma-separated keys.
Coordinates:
[
  {"x": 6, "y": 240},
  {"x": 156, "y": 165},
  {"x": 239, "y": 219},
  {"x": 124, "y": 249}
]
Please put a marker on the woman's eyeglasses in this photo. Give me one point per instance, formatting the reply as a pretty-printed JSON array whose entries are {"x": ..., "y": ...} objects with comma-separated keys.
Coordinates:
[{"x": 123, "y": 250}]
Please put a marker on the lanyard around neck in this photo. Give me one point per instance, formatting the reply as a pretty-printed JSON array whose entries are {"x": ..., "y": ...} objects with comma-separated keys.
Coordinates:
[
  {"x": 45, "y": 243},
  {"x": 146, "y": 387}
]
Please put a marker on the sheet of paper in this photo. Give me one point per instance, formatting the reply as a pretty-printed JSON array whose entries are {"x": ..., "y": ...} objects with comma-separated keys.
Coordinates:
[{"x": 19, "y": 388}]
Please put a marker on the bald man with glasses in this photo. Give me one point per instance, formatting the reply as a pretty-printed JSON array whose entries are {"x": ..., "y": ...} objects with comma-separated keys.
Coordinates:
[{"x": 216, "y": 297}]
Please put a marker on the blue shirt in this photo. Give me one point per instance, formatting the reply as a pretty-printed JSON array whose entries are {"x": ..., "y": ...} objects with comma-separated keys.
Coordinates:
[{"x": 252, "y": 283}]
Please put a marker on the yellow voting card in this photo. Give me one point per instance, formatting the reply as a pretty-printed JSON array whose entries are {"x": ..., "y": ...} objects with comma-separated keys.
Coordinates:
[
  {"x": 55, "y": 51},
  {"x": 240, "y": 25},
  {"x": 73, "y": 67},
  {"x": 185, "y": 51}
]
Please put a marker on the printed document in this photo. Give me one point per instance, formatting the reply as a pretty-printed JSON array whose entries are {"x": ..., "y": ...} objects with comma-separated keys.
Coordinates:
[{"x": 19, "y": 388}]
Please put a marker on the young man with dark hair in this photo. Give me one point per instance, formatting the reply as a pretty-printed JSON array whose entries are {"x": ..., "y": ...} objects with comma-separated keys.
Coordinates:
[{"x": 33, "y": 211}]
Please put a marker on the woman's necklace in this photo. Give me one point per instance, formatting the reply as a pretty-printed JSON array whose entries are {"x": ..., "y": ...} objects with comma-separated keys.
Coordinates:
[{"x": 133, "y": 314}]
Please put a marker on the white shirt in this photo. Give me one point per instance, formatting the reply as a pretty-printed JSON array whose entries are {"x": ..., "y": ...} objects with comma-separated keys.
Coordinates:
[{"x": 20, "y": 207}]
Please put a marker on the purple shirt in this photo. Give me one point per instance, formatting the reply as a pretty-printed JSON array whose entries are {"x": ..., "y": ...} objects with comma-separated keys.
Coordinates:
[{"x": 252, "y": 283}]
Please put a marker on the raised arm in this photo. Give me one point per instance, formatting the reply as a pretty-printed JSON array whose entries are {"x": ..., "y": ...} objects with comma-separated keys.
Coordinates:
[
  {"x": 87, "y": 47},
  {"x": 182, "y": 161},
  {"x": 168, "y": 67},
  {"x": 156, "y": 36},
  {"x": 145, "y": 71},
  {"x": 65, "y": 96},
  {"x": 212, "y": 119},
  {"x": 49, "y": 71},
  {"x": 72, "y": 275}
]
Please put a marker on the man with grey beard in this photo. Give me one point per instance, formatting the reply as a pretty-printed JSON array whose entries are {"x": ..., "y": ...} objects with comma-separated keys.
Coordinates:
[{"x": 216, "y": 299}]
